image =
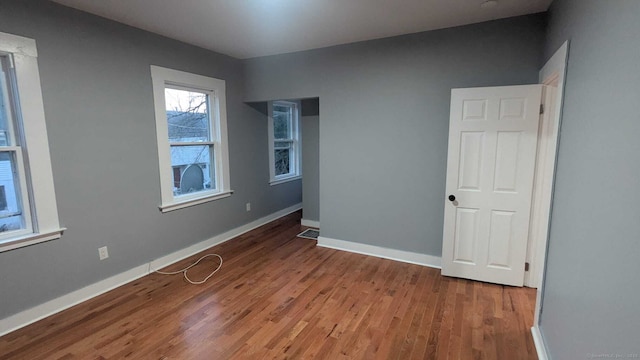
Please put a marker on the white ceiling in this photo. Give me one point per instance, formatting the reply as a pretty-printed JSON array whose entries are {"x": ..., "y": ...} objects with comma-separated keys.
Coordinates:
[{"x": 251, "y": 28}]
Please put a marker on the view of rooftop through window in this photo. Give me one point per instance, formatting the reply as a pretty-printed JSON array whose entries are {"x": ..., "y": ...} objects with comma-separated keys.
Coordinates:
[
  {"x": 189, "y": 137},
  {"x": 187, "y": 115}
]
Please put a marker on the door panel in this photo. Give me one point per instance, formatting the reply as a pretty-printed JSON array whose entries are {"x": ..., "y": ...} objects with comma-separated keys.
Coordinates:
[
  {"x": 513, "y": 109},
  {"x": 471, "y": 144},
  {"x": 490, "y": 168},
  {"x": 500, "y": 238},
  {"x": 507, "y": 154},
  {"x": 474, "y": 110},
  {"x": 466, "y": 235}
]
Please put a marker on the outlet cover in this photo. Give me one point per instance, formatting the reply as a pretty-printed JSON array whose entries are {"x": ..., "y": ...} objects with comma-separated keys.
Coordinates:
[
  {"x": 103, "y": 252},
  {"x": 248, "y": 206}
]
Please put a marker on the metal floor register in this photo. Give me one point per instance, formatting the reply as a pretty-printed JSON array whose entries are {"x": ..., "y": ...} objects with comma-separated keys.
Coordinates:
[{"x": 309, "y": 234}]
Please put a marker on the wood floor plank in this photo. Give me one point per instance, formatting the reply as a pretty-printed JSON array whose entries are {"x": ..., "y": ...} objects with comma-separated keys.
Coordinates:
[{"x": 281, "y": 297}]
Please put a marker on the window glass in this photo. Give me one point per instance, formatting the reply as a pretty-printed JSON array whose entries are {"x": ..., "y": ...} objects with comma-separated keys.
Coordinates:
[
  {"x": 186, "y": 157},
  {"x": 187, "y": 115},
  {"x": 5, "y": 110},
  {"x": 12, "y": 217},
  {"x": 281, "y": 122}
]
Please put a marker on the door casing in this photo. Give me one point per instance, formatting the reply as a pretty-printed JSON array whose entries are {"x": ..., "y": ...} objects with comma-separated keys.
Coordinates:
[{"x": 553, "y": 72}]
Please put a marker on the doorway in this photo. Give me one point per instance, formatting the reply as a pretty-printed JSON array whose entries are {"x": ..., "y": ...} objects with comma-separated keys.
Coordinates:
[{"x": 552, "y": 76}]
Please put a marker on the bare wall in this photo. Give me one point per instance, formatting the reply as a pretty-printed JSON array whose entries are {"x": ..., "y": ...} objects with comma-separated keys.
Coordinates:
[
  {"x": 385, "y": 116},
  {"x": 99, "y": 109},
  {"x": 591, "y": 295},
  {"x": 310, "y": 160}
]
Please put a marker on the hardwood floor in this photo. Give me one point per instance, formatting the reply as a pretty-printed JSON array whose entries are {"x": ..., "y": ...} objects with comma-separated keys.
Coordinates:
[{"x": 279, "y": 296}]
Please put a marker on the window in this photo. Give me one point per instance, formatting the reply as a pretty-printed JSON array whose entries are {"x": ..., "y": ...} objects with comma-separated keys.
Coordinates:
[
  {"x": 191, "y": 125},
  {"x": 284, "y": 142},
  {"x": 28, "y": 211}
]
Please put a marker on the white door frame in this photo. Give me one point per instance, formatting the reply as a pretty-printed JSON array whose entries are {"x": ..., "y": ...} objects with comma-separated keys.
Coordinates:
[
  {"x": 554, "y": 74},
  {"x": 542, "y": 181}
]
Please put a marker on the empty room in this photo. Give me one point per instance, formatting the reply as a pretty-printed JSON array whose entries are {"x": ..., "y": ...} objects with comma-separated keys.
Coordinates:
[{"x": 411, "y": 179}]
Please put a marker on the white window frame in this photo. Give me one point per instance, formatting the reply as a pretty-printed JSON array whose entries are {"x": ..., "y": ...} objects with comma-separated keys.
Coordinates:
[
  {"x": 215, "y": 88},
  {"x": 34, "y": 162},
  {"x": 295, "y": 165}
]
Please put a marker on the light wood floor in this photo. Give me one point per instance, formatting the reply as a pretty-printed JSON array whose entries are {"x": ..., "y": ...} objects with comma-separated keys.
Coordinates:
[{"x": 278, "y": 296}]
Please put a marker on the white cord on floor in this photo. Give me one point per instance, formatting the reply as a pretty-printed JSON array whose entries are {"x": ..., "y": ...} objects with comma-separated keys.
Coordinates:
[{"x": 184, "y": 271}]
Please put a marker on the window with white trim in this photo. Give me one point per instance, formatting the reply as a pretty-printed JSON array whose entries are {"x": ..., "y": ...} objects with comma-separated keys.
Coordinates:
[
  {"x": 191, "y": 126},
  {"x": 284, "y": 141},
  {"x": 28, "y": 210}
]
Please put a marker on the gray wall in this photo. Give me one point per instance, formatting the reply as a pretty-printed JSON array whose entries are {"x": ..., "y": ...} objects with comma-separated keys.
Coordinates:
[
  {"x": 310, "y": 160},
  {"x": 592, "y": 289},
  {"x": 98, "y": 104},
  {"x": 385, "y": 116}
]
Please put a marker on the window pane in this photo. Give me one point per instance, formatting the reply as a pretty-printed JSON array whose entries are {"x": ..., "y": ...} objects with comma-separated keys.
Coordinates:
[
  {"x": 192, "y": 169},
  {"x": 11, "y": 212},
  {"x": 5, "y": 107},
  {"x": 281, "y": 122},
  {"x": 187, "y": 115},
  {"x": 282, "y": 161}
]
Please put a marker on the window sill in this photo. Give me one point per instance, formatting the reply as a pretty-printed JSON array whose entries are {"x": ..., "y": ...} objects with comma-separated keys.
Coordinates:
[
  {"x": 183, "y": 203},
  {"x": 30, "y": 239},
  {"x": 285, "y": 180}
]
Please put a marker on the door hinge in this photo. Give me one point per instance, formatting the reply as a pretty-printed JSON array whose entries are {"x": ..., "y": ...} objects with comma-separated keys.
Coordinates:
[
  {"x": 541, "y": 109},
  {"x": 526, "y": 266}
]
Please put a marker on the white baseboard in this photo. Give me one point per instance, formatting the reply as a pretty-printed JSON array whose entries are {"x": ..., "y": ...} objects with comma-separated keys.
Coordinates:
[
  {"x": 310, "y": 223},
  {"x": 196, "y": 248},
  {"x": 538, "y": 340},
  {"x": 381, "y": 252},
  {"x": 24, "y": 318}
]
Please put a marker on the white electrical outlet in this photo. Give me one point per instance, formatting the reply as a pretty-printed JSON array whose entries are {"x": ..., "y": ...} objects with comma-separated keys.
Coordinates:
[
  {"x": 248, "y": 206},
  {"x": 103, "y": 252}
]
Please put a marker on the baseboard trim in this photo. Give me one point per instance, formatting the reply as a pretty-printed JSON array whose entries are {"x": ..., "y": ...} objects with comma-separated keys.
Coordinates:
[
  {"x": 381, "y": 252},
  {"x": 310, "y": 223},
  {"x": 538, "y": 340},
  {"x": 219, "y": 239},
  {"x": 39, "y": 312}
]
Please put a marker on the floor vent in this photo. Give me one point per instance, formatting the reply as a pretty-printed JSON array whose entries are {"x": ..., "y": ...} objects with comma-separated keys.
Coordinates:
[{"x": 309, "y": 234}]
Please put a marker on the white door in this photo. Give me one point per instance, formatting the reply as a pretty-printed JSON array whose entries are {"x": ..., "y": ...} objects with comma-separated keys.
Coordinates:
[{"x": 490, "y": 169}]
